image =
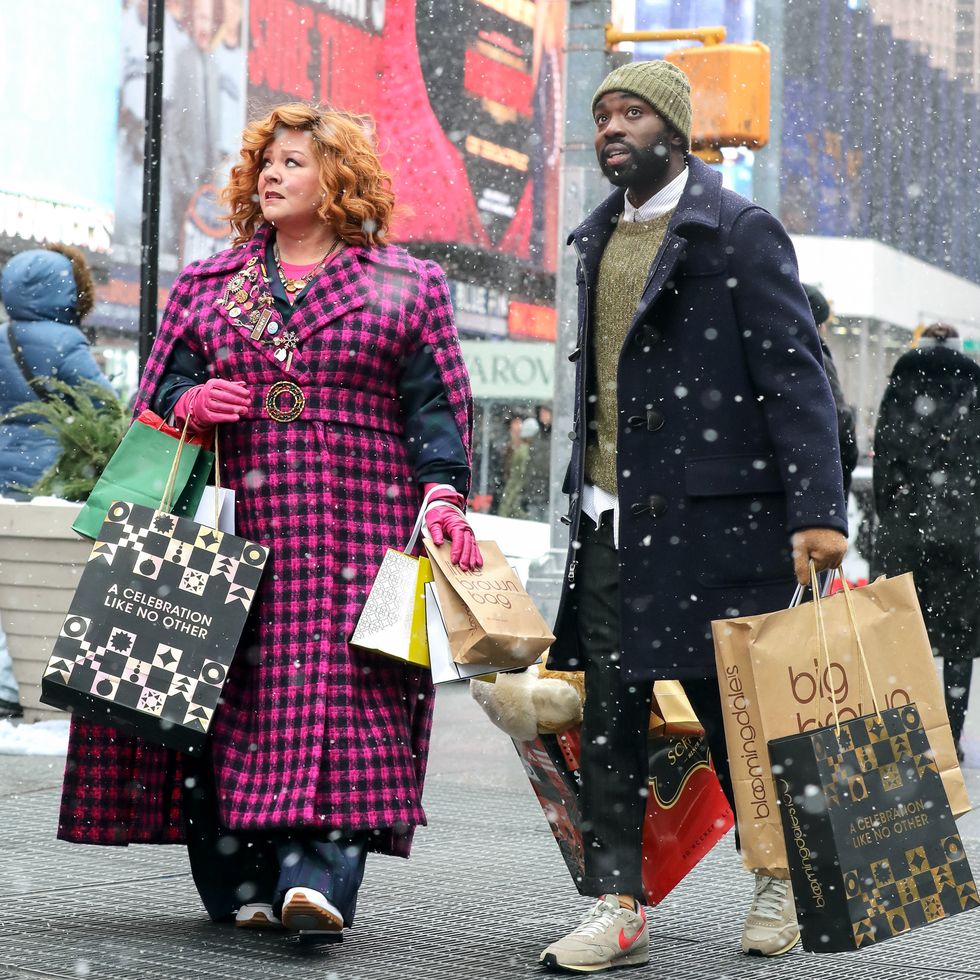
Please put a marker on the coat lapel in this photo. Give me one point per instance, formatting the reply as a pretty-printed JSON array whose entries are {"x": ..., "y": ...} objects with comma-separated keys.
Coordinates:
[
  {"x": 342, "y": 287},
  {"x": 246, "y": 303}
]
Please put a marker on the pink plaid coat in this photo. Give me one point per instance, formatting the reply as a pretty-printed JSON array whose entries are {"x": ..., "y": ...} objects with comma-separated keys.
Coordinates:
[{"x": 312, "y": 733}]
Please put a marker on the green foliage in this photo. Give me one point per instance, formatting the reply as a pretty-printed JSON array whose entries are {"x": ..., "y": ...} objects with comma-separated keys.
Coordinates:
[{"x": 88, "y": 423}]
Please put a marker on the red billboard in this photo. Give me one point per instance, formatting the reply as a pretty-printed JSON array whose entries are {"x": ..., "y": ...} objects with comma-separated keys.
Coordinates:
[{"x": 466, "y": 95}]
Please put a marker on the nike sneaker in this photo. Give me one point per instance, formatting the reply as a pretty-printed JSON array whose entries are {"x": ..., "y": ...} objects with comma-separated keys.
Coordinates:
[{"x": 609, "y": 936}]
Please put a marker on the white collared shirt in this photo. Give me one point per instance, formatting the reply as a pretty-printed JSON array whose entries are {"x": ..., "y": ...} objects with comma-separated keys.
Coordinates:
[{"x": 595, "y": 500}]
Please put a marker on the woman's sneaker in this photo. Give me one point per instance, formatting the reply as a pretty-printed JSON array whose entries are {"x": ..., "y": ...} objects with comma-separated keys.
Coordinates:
[
  {"x": 306, "y": 910},
  {"x": 770, "y": 927},
  {"x": 609, "y": 936},
  {"x": 257, "y": 915}
]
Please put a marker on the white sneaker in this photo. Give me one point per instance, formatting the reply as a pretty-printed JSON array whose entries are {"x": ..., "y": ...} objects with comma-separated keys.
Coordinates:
[
  {"x": 770, "y": 927},
  {"x": 608, "y": 937},
  {"x": 306, "y": 910},
  {"x": 257, "y": 915}
]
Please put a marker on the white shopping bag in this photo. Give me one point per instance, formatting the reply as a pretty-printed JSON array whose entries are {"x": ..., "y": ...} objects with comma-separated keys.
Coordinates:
[
  {"x": 441, "y": 662},
  {"x": 226, "y": 509}
]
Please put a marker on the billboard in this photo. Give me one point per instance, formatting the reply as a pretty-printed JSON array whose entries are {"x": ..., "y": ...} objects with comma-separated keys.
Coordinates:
[
  {"x": 465, "y": 94},
  {"x": 203, "y": 115},
  {"x": 58, "y": 93}
]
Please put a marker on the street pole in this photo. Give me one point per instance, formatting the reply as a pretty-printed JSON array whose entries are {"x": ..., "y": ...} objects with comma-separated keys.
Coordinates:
[
  {"x": 150, "y": 235},
  {"x": 586, "y": 63},
  {"x": 770, "y": 29}
]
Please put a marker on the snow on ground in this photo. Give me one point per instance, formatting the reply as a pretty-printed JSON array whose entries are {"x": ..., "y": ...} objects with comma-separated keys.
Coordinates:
[{"x": 41, "y": 738}]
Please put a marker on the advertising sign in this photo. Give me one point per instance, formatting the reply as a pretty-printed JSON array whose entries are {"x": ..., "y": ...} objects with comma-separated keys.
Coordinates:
[
  {"x": 58, "y": 116},
  {"x": 203, "y": 116},
  {"x": 465, "y": 94}
]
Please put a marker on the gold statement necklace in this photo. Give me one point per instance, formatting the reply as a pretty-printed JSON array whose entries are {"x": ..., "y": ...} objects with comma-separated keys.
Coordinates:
[{"x": 293, "y": 286}]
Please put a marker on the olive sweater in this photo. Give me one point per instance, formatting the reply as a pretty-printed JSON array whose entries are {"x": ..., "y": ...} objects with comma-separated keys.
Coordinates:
[{"x": 623, "y": 272}]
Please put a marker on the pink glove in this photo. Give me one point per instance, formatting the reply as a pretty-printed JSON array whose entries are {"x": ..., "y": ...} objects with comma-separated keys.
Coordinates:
[
  {"x": 208, "y": 404},
  {"x": 444, "y": 522}
]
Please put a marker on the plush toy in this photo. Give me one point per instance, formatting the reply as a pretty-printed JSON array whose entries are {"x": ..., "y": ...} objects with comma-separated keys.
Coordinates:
[{"x": 535, "y": 701}]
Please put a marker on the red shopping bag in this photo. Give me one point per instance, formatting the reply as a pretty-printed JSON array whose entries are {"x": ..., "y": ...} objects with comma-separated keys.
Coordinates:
[{"x": 687, "y": 813}]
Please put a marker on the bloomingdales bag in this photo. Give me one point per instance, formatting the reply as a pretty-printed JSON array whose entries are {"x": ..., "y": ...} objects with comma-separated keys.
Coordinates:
[
  {"x": 392, "y": 621},
  {"x": 154, "y": 624},
  {"x": 772, "y": 685},
  {"x": 686, "y": 813},
  {"x": 490, "y": 619},
  {"x": 873, "y": 847}
]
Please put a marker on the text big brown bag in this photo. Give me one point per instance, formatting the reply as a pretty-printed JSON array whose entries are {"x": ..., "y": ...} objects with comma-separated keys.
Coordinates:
[
  {"x": 490, "y": 619},
  {"x": 771, "y": 686}
]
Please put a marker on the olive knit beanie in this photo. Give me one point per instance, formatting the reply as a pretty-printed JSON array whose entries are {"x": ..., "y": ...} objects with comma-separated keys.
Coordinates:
[{"x": 661, "y": 84}]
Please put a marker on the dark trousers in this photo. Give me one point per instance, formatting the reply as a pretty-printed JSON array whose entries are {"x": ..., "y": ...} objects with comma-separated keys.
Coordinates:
[
  {"x": 616, "y": 720},
  {"x": 232, "y": 868},
  {"x": 957, "y": 675}
]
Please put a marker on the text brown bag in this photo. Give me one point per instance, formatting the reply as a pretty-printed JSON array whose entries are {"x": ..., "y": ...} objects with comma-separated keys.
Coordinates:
[
  {"x": 771, "y": 687},
  {"x": 490, "y": 619}
]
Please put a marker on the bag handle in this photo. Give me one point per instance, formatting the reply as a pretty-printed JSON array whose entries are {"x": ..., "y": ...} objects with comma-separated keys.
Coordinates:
[
  {"x": 822, "y": 638},
  {"x": 423, "y": 510},
  {"x": 166, "y": 501}
]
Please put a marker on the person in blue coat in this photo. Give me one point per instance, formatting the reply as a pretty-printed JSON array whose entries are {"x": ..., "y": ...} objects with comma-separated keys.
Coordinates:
[
  {"x": 47, "y": 292},
  {"x": 705, "y": 474}
]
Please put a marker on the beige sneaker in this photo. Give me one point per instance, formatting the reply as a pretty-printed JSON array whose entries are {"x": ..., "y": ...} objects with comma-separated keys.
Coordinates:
[
  {"x": 609, "y": 936},
  {"x": 770, "y": 927}
]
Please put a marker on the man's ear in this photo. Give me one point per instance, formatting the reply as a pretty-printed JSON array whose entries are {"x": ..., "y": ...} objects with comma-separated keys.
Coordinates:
[{"x": 676, "y": 139}]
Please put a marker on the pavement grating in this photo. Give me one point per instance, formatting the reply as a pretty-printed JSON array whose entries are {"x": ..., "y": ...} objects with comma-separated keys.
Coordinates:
[{"x": 485, "y": 891}]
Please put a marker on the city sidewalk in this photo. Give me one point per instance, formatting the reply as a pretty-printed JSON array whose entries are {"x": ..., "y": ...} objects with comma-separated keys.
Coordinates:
[{"x": 485, "y": 891}]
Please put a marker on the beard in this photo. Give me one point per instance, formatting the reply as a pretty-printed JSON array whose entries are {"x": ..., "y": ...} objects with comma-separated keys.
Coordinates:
[{"x": 644, "y": 165}]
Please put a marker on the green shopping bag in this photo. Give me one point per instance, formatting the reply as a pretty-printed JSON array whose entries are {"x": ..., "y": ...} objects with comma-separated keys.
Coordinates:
[{"x": 139, "y": 470}]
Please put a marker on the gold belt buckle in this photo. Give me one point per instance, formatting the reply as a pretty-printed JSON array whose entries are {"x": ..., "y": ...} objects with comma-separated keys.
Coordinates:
[{"x": 294, "y": 408}]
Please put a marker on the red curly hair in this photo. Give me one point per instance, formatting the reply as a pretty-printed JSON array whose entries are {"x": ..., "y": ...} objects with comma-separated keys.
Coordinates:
[{"x": 357, "y": 197}]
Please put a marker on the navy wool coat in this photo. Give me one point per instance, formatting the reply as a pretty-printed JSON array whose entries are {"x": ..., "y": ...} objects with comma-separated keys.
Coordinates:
[{"x": 727, "y": 439}]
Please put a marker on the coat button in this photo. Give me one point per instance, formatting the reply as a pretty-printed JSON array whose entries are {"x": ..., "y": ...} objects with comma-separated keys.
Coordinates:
[
  {"x": 655, "y": 420},
  {"x": 575, "y": 354},
  {"x": 573, "y": 436}
]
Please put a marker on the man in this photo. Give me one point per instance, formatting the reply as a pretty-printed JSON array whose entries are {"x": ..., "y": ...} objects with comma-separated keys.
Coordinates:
[
  {"x": 704, "y": 471},
  {"x": 846, "y": 427}
]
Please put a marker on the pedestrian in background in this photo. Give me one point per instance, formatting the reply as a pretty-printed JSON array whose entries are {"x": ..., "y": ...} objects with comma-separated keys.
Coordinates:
[
  {"x": 513, "y": 501},
  {"x": 47, "y": 293},
  {"x": 502, "y": 454},
  {"x": 705, "y": 471},
  {"x": 9, "y": 691},
  {"x": 846, "y": 427},
  {"x": 318, "y": 750},
  {"x": 927, "y": 499},
  {"x": 537, "y": 483}
]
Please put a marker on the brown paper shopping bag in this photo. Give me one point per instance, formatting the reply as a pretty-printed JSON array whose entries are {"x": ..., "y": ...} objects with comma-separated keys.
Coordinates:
[
  {"x": 772, "y": 686},
  {"x": 489, "y": 617}
]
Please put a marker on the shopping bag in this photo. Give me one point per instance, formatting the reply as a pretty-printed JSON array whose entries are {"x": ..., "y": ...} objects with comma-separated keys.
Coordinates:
[
  {"x": 154, "y": 623},
  {"x": 139, "y": 469},
  {"x": 153, "y": 626},
  {"x": 392, "y": 621},
  {"x": 491, "y": 620},
  {"x": 772, "y": 686},
  {"x": 444, "y": 668},
  {"x": 873, "y": 847},
  {"x": 224, "y": 518},
  {"x": 686, "y": 814}
]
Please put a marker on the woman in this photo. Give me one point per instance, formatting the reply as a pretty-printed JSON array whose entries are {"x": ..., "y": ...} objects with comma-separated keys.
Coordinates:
[
  {"x": 47, "y": 293},
  {"x": 927, "y": 498},
  {"x": 332, "y": 363}
]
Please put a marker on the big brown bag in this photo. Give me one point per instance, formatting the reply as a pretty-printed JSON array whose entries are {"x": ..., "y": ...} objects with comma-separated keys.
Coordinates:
[
  {"x": 771, "y": 686},
  {"x": 490, "y": 619}
]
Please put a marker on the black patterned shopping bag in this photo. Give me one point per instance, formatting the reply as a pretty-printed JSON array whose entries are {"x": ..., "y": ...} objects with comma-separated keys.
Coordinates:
[
  {"x": 153, "y": 625},
  {"x": 873, "y": 847}
]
